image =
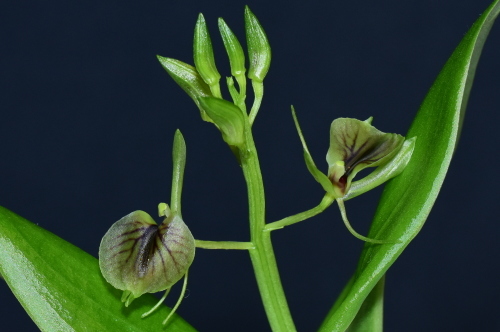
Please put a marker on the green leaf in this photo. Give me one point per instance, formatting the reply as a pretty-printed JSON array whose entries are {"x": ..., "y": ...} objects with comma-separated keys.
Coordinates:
[
  {"x": 408, "y": 198},
  {"x": 61, "y": 287},
  {"x": 370, "y": 315}
]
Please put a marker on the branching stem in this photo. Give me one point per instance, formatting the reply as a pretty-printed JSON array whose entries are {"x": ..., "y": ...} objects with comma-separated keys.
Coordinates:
[
  {"x": 262, "y": 256},
  {"x": 258, "y": 89},
  {"x": 224, "y": 245},
  {"x": 325, "y": 203}
]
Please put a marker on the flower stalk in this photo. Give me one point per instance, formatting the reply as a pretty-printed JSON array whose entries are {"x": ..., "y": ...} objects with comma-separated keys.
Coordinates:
[{"x": 262, "y": 255}]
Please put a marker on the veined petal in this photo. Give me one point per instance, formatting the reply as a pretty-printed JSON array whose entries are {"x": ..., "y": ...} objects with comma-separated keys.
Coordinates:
[
  {"x": 138, "y": 256},
  {"x": 355, "y": 145}
]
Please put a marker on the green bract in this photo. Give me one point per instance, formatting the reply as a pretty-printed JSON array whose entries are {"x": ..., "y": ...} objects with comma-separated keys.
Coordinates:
[
  {"x": 259, "y": 50},
  {"x": 188, "y": 78},
  {"x": 138, "y": 256},
  {"x": 228, "y": 117},
  {"x": 204, "y": 56}
]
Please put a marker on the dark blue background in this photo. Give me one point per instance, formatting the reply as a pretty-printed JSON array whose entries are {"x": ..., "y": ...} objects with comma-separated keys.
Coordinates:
[{"x": 88, "y": 116}]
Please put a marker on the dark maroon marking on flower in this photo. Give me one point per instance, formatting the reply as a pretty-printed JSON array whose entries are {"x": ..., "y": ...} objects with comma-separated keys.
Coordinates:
[
  {"x": 179, "y": 243},
  {"x": 130, "y": 251},
  {"x": 161, "y": 255},
  {"x": 146, "y": 250},
  {"x": 342, "y": 183},
  {"x": 136, "y": 240},
  {"x": 127, "y": 240},
  {"x": 376, "y": 148},
  {"x": 176, "y": 264},
  {"x": 375, "y": 145},
  {"x": 130, "y": 232}
]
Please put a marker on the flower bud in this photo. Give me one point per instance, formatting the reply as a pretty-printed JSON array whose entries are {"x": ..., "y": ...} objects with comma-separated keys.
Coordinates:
[
  {"x": 233, "y": 49},
  {"x": 204, "y": 56},
  {"x": 259, "y": 50}
]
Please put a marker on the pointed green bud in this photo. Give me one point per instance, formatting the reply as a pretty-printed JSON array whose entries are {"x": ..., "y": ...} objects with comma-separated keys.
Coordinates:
[
  {"x": 259, "y": 51},
  {"x": 233, "y": 49},
  {"x": 232, "y": 90},
  {"x": 179, "y": 164},
  {"x": 355, "y": 145},
  {"x": 138, "y": 256},
  {"x": 228, "y": 117},
  {"x": 188, "y": 78},
  {"x": 204, "y": 56}
]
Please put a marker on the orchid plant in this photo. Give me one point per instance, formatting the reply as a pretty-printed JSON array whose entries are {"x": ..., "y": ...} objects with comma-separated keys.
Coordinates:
[{"x": 138, "y": 256}]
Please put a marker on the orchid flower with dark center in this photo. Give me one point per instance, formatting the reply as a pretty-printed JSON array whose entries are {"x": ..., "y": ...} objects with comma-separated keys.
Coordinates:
[
  {"x": 139, "y": 256},
  {"x": 354, "y": 146}
]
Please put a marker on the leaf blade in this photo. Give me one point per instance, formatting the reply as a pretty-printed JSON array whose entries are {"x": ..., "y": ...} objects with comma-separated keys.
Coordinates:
[{"x": 407, "y": 199}]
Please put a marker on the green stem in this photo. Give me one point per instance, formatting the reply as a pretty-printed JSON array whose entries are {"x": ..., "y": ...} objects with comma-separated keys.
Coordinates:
[
  {"x": 179, "y": 301},
  {"x": 340, "y": 202},
  {"x": 235, "y": 96},
  {"x": 224, "y": 245},
  {"x": 157, "y": 304},
  {"x": 262, "y": 256},
  {"x": 258, "y": 90},
  {"x": 215, "y": 89},
  {"x": 325, "y": 203},
  {"x": 242, "y": 84}
]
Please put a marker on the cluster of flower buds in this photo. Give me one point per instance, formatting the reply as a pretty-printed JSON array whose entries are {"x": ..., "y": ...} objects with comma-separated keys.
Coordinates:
[{"x": 202, "y": 82}]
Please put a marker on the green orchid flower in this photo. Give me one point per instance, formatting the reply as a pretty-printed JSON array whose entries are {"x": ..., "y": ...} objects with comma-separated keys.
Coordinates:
[
  {"x": 354, "y": 146},
  {"x": 139, "y": 256}
]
